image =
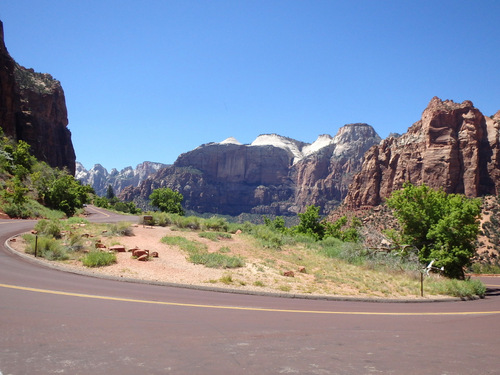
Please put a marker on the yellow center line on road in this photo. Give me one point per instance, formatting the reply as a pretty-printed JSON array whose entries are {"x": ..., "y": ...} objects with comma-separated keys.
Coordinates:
[
  {"x": 242, "y": 308},
  {"x": 99, "y": 211}
]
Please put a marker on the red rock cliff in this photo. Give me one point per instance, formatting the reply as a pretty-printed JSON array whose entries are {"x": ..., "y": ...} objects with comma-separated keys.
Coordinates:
[
  {"x": 453, "y": 146},
  {"x": 33, "y": 109}
]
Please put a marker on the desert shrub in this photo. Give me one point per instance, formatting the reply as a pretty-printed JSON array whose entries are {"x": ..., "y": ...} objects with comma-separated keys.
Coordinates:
[
  {"x": 121, "y": 228},
  {"x": 49, "y": 227},
  {"x": 74, "y": 242},
  {"x": 216, "y": 223},
  {"x": 46, "y": 247},
  {"x": 16, "y": 210},
  {"x": 268, "y": 237},
  {"x": 191, "y": 222},
  {"x": 98, "y": 259},
  {"x": 458, "y": 288},
  {"x": 162, "y": 219},
  {"x": 349, "y": 252}
]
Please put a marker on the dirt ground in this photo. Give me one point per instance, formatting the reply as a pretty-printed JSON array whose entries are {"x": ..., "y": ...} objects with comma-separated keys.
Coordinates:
[{"x": 172, "y": 265}]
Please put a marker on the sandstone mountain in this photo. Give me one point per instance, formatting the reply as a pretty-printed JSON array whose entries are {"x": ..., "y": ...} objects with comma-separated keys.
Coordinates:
[
  {"x": 454, "y": 147},
  {"x": 33, "y": 109},
  {"x": 272, "y": 175},
  {"x": 99, "y": 178}
]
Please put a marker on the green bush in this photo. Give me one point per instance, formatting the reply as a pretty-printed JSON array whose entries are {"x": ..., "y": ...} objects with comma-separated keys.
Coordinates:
[
  {"x": 216, "y": 223},
  {"x": 161, "y": 219},
  {"x": 191, "y": 222},
  {"x": 98, "y": 259},
  {"x": 268, "y": 237},
  {"x": 16, "y": 210},
  {"x": 49, "y": 227}
]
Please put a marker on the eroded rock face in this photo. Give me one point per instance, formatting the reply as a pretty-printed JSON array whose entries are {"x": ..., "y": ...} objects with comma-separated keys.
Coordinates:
[
  {"x": 33, "y": 109},
  {"x": 454, "y": 147},
  {"x": 273, "y": 175},
  {"x": 323, "y": 177}
]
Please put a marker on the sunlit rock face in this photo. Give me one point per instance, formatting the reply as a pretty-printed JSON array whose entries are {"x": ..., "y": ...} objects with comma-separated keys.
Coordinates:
[
  {"x": 272, "y": 175},
  {"x": 454, "y": 147}
]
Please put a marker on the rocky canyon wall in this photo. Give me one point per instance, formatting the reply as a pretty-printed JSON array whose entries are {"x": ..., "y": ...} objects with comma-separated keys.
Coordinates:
[
  {"x": 273, "y": 175},
  {"x": 33, "y": 109},
  {"x": 454, "y": 147}
]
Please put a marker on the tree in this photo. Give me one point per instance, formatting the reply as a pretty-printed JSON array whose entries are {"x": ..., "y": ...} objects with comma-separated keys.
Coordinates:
[
  {"x": 110, "y": 193},
  {"x": 167, "y": 200},
  {"x": 339, "y": 229},
  {"x": 277, "y": 224},
  {"x": 67, "y": 194},
  {"x": 441, "y": 226},
  {"x": 310, "y": 223}
]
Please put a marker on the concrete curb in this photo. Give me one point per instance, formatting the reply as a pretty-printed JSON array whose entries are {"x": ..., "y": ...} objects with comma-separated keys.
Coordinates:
[{"x": 58, "y": 267}]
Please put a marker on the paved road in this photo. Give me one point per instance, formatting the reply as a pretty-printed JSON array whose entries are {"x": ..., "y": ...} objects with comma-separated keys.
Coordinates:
[{"x": 56, "y": 322}]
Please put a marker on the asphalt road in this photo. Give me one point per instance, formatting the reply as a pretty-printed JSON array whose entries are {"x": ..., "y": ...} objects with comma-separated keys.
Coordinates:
[{"x": 53, "y": 322}]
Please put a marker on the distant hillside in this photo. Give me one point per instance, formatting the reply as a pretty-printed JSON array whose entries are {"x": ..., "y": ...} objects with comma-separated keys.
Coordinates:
[{"x": 99, "y": 178}]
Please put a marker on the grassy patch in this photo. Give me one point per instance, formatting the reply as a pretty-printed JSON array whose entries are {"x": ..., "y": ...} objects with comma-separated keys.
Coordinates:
[
  {"x": 216, "y": 260},
  {"x": 457, "y": 288},
  {"x": 226, "y": 279},
  {"x": 214, "y": 236},
  {"x": 198, "y": 254},
  {"x": 189, "y": 246},
  {"x": 98, "y": 259}
]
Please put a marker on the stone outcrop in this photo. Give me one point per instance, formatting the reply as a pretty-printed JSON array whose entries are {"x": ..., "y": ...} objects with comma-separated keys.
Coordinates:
[
  {"x": 454, "y": 147},
  {"x": 99, "y": 178},
  {"x": 272, "y": 175},
  {"x": 33, "y": 109},
  {"x": 323, "y": 177}
]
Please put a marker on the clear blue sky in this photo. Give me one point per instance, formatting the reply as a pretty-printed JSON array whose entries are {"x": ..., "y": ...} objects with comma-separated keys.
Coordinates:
[{"x": 149, "y": 80}]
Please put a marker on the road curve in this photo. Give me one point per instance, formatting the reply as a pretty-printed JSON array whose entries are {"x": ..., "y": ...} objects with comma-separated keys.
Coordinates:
[{"x": 57, "y": 322}]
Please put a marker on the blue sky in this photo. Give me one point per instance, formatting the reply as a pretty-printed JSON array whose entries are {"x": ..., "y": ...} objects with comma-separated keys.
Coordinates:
[{"x": 149, "y": 80}]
